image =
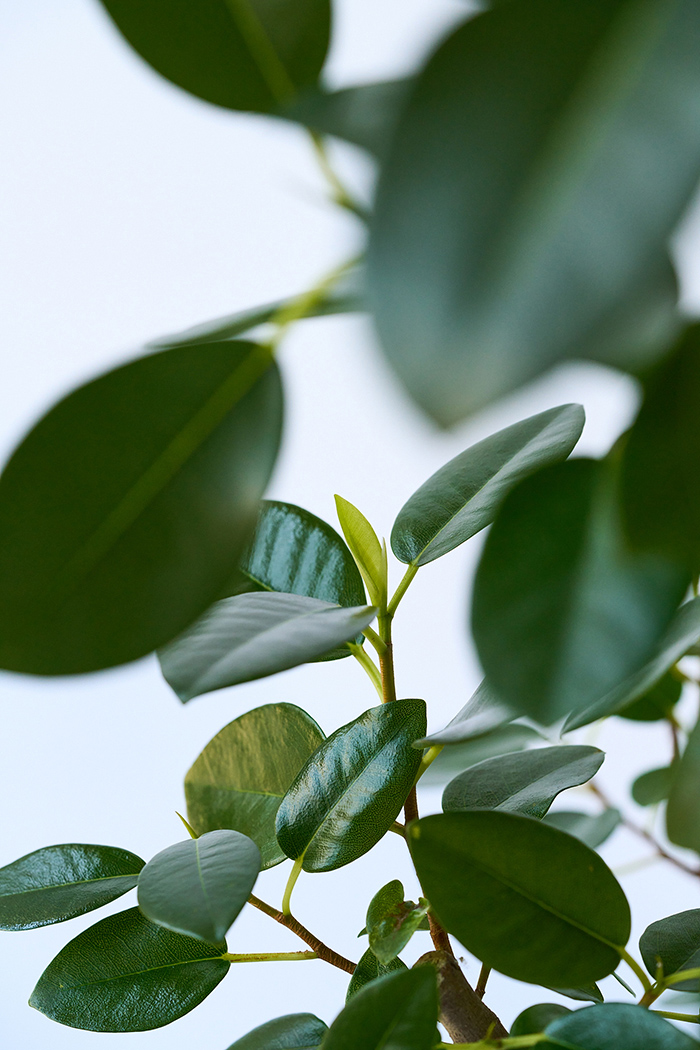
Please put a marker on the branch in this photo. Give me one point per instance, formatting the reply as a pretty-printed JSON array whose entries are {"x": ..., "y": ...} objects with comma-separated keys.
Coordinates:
[
  {"x": 322, "y": 950},
  {"x": 462, "y": 1012}
]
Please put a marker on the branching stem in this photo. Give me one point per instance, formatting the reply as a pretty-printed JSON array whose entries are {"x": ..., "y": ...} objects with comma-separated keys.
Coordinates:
[
  {"x": 367, "y": 663},
  {"x": 322, "y": 950}
]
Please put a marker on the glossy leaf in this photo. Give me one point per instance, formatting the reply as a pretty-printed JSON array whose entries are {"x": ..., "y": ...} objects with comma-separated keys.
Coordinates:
[
  {"x": 675, "y": 943},
  {"x": 522, "y": 896},
  {"x": 681, "y": 634},
  {"x": 251, "y": 636},
  {"x": 199, "y": 886},
  {"x": 242, "y": 54},
  {"x": 682, "y": 825},
  {"x": 392, "y": 921},
  {"x": 591, "y": 829},
  {"x": 292, "y": 1032},
  {"x": 366, "y": 549},
  {"x": 364, "y": 115},
  {"x": 369, "y": 969},
  {"x": 127, "y": 974},
  {"x": 525, "y": 782},
  {"x": 129, "y": 504},
  {"x": 462, "y": 497},
  {"x": 352, "y": 788},
  {"x": 483, "y": 712},
  {"x": 616, "y": 1026},
  {"x": 654, "y": 786},
  {"x": 563, "y": 612},
  {"x": 242, "y": 775},
  {"x": 398, "y": 1012},
  {"x": 589, "y": 993},
  {"x": 61, "y": 882},
  {"x": 456, "y": 757},
  {"x": 540, "y": 241},
  {"x": 536, "y": 1018}
]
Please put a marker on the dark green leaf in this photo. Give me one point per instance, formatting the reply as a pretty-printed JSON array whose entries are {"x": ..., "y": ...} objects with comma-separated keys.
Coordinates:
[
  {"x": 126, "y": 508},
  {"x": 369, "y": 969},
  {"x": 352, "y": 788},
  {"x": 198, "y": 887},
  {"x": 522, "y": 896},
  {"x": 483, "y": 712},
  {"x": 398, "y": 1012},
  {"x": 682, "y": 824},
  {"x": 563, "y": 612},
  {"x": 456, "y": 757},
  {"x": 251, "y": 636},
  {"x": 592, "y": 830},
  {"x": 242, "y": 54},
  {"x": 531, "y": 238},
  {"x": 586, "y": 994},
  {"x": 657, "y": 703},
  {"x": 462, "y": 497},
  {"x": 292, "y": 1032},
  {"x": 654, "y": 786},
  {"x": 364, "y": 115},
  {"x": 675, "y": 943},
  {"x": 60, "y": 882},
  {"x": 392, "y": 921},
  {"x": 242, "y": 775},
  {"x": 525, "y": 782},
  {"x": 536, "y": 1018},
  {"x": 127, "y": 974},
  {"x": 616, "y": 1026}
]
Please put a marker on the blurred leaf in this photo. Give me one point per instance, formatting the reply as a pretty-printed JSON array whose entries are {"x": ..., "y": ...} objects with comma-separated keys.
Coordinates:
[
  {"x": 586, "y": 994},
  {"x": 462, "y": 497},
  {"x": 654, "y": 786},
  {"x": 366, "y": 549},
  {"x": 130, "y": 503},
  {"x": 352, "y": 788},
  {"x": 365, "y": 115},
  {"x": 682, "y": 825},
  {"x": 292, "y": 1032},
  {"x": 392, "y": 921},
  {"x": 61, "y": 882},
  {"x": 522, "y": 896},
  {"x": 242, "y": 775},
  {"x": 591, "y": 830},
  {"x": 656, "y": 704},
  {"x": 398, "y": 1012},
  {"x": 369, "y": 969},
  {"x": 483, "y": 712},
  {"x": 536, "y": 1018},
  {"x": 456, "y": 757},
  {"x": 675, "y": 942},
  {"x": 616, "y": 1026}
]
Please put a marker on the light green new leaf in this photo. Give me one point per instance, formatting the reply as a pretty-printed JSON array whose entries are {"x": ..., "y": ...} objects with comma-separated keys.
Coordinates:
[
  {"x": 616, "y": 1026},
  {"x": 292, "y": 1032},
  {"x": 366, "y": 549},
  {"x": 456, "y": 757},
  {"x": 251, "y": 636},
  {"x": 127, "y": 974},
  {"x": 655, "y": 786},
  {"x": 60, "y": 882},
  {"x": 241, "y": 776},
  {"x": 129, "y": 504},
  {"x": 563, "y": 611},
  {"x": 369, "y": 969},
  {"x": 512, "y": 228},
  {"x": 525, "y": 782},
  {"x": 522, "y": 896},
  {"x": 462, "y": 497},
  {"x": 675, "y": 943},
  {"x": 397, "y": 1012},
  {"x": 591, "y": 830},
  {"x": 352, "y": 788},
  {"x": 682, "y": 825},
  {"x": 199, "y": 886},
  {"x": 242, "y": 54},
  {"x": 365, "y": 115},
  {"x": 483, "y": 712},
  {"x": 392, "y": 921}
]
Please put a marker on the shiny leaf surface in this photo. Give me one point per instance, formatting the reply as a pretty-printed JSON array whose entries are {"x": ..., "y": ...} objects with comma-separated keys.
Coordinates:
[
  {"x": 675, "y": 943},
  {"x": 616, "y": 1026},
  {"x": 369, "y": 969},
  {"x": 292, "y": 1032},
  {"x": 398, "y": 1012},
  {"x": 392, "y": 921}
]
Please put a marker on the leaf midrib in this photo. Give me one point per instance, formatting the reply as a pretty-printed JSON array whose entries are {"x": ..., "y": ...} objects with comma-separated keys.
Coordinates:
[{"x": 67, "y": 885}]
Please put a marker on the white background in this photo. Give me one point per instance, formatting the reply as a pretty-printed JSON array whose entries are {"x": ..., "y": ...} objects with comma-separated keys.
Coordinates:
[{"x": 128, "y": 211}]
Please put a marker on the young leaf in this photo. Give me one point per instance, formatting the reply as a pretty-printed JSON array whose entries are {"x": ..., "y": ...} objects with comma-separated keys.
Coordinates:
[
  {"x": 251, "y": 636},
  {"x": 392, "y": 921},
  {"x": 462, "y": 497},
  {"x": 675, "y": 943},
  {"x": 61, "y": 882},
  {"x": 616, "y": 1026},
  {"x": 563, "y": 611},
  {"x": 456, "y": 757},
  {"x": 127, "y": 974},
  {"x": 654, "y": 787},
  {"x": 292, "y": 1032},
  {"x": 369, "y": 969},
  {"x": 352, "y": 788},
  {"x": 539, "y": 242},
  {"x": 682, "y": 826},
  {"x": 523, "y": 897},
  {"x": 483, "y": 712},
  {"x": 536, "y": 1018},
  {"x": 242, "y": 54},
  {"x": 241, "y": 776},
  {"x": 129, "y": 504},
  {"x": 397, "y": 1012},
  {"x": 525, "y": 782},
  {"x": 199, "y": 886},
  {"x": 591, "y": 830},
  {"x": 366, "y": 549}
]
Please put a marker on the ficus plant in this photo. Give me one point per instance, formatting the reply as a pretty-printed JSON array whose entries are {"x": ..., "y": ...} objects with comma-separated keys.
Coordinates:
[{"x": 530, "y": 175}]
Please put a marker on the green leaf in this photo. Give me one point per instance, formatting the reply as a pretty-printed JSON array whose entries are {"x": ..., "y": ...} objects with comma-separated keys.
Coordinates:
[
  {"x": 365, "y": 115},
  {"x": 198, "y": 887},
  {"x": 675, "y": 943},
  {"x": 563, "y": 611},
  {"x": 682, "y": 825},
  {"x": 130, "y": 503},
  {"x": 616, "y": 1026},
  {"x": 540, "y": 242},
  {"x": 525, "y": 782},
  {"x": 392, "y": 921},
  {"x": 483, "y": 712},
  {"x": 591, "y": 830},
  {"x": 536, "y": 1018},
  {"x": 456, "y": 757},
  {"x": 369, "y": 969},
  {"x": 242, "y": 775},
  {"x": 242, "y": 54},
  {"x": 586, "y": 994},
  {"x": 523, "y": 897},
  {"x": 680, "y": 636},
  {"x": 60, "y": 882},
  {"x": 654, "y": 786},
  {"x": 397, "y": 1012},
  {"x": 127, "y": 974},
  {"x": 462, "y": 497},
  {"x": 251, "y": 636},
  {"x": 352, "y": 788},
  {"x": 656, "y": 704},
  {"x": 292, "y": 1032},
  {"x": 366, "y": 549}
]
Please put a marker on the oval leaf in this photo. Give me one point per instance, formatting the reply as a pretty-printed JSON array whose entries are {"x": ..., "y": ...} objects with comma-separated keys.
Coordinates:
[
  {"x": 127, "y": 974},
  {"x": 242, "y": 775},
  {"x": 366, "y": 549},
  {"x": 392, "y": 921},
  {"x": 397, "y": 1012},
  {"x": 462, "y": 497},
  {"x": 616, "y": 1026},
  {"x": 126, "y": 508},
  {"x": 369, "y": 969},
  {"x": 198, "y": 887},
  {"x": 536, "y": 1018},
  {"x": 60, "y": 882},
  {"x": 352, "y": 789},
  {"x": 292, "y": 1032},
  {"x": 653, "y": 787},
  {"x": 483, "y": 712},
  {"x": 591, "y": 830},
  {"x": 523, "y": 897},
  {"x": 525, "y": 782},
  {"x": 682, "y": 826},
  {"x": 675, "y": 943},
  {"x": 251, "y": 636}
]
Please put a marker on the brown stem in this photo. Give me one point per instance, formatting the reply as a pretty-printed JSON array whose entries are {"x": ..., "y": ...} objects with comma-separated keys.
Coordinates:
[
  {"x": 464, "y": 1015},
  {"x": 322, "y": 950},
  {"x": 437, "y": 932},
  {"x": 483, "y": 980}
]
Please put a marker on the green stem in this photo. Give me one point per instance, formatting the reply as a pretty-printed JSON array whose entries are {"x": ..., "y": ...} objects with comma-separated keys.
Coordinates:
[
  {"x": 291, "y": 883},
  {"x": 693, "y": 1018},
  {"x": 428, "y": 759},
  {"x": 408, "y": 577},
  {"x": 386, "y": 659},
  {"x": 299, "y": 307},
  {"x": 269, "y": 957},
  {"x": 496, "y": 1044},
  {"x": 368, "y": 664},
  {"x": 682, "y": 975},
  {"x": 636, "y": 969},
  {"x": 374, "y": 640},
  {"x": 339, "y": 192}
]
